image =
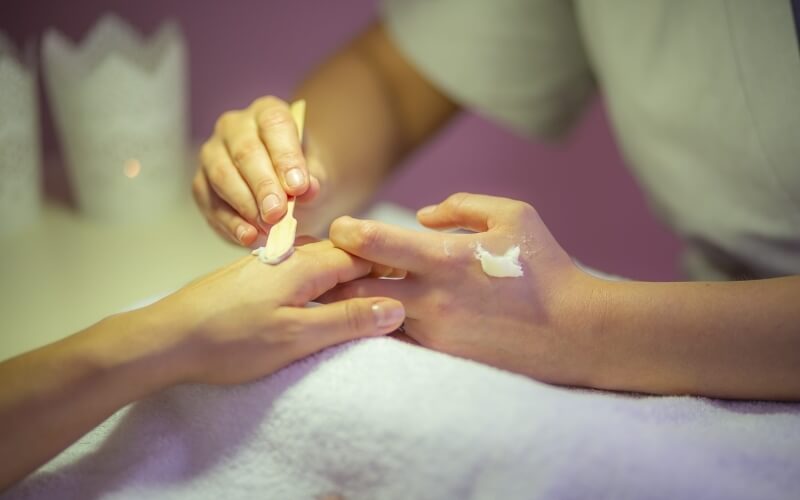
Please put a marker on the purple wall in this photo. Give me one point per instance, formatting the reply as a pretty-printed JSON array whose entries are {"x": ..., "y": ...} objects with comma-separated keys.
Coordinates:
[{"x": 243, "y": 49}]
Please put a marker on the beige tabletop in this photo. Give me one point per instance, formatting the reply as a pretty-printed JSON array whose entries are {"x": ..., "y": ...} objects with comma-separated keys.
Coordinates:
[{"x": 66, "y": 272}]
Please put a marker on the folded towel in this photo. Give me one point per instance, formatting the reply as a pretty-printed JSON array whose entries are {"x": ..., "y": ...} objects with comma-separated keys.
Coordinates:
[{"x": 380, "y": 418}]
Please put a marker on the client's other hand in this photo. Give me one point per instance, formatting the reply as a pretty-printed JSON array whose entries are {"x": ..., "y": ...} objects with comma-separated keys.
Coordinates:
[
  {"x": 249, "y": 319},
  {"x": 532, "y": 324}
]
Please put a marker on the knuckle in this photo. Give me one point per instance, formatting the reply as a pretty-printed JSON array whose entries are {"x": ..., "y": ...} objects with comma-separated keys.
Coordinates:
[
  {"x": 522, "y": 211},
  {"x": 205, "y": 152},
  {"x": 266, "y": 185},
  {"x": 287, "y": 330},
  {"x": 218, "y": 175},
  {"x": 286, "y": 160},
  {"x": 226, "y": 119},
  {"x": 337, "y": 226},
  {"x": 273, "y": 117},
  {"x": 305, "y": 290},
  {"x": 229, "y": 223},
  {"x": 443, "y": 304},
  {"x": 246, "y": 151},
  {"x": 368, "y": 235},
  {"x": 456, "y": 199},
  {"x": 266, "y": 101},
  {"x": 442, "y": 260},
  {"x": 244, "y": 208},
  {"x": 356, "y": 316}
]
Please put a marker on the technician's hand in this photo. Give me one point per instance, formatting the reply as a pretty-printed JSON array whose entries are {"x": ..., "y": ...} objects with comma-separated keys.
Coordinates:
[
  {"x": 249, "y": 166},
  {"x": 529, "y": 324},
  {"x": 248, "y": 319}
]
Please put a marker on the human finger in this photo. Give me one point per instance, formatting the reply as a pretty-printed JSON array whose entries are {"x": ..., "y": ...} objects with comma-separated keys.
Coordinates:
[
  {"x": 405, "y": 291},
  {"x": 332, "y": 324},
  {"x": 226, "y": 181},
  {"x": 474, "y": 212},
  {"x": 278, "y": 131},
  {"x": 223, "y": 219},
  {"x": 238, "y": 229},
  {"x": 250, "y": 157},
  {"x": 386, "y": 244},
  {"x": 311, "y": 193},
  {"x": 317, "y": 267}
]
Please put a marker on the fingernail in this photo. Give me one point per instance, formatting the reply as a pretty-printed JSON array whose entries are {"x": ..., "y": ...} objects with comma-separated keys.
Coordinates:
[
  {"x": 270, "y": 203},
  {"x": 295, "y": 178},
  {"x": 426, "y": 210},
  {"x": 388, "y": 314},
  {"x": 240, "y": 232}
]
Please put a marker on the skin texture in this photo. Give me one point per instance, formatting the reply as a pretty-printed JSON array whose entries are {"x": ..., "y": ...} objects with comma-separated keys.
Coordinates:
[
  {"x": 240, "y": 323},
  {"x": 558, "y": 324}
]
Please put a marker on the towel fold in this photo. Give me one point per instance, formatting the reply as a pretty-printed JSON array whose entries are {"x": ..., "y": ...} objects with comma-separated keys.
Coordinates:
[{"x": 380, "y": 418}]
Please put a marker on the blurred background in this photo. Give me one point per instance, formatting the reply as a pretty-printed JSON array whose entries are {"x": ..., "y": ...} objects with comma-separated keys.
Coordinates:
[{"x": 66, "y": 270}]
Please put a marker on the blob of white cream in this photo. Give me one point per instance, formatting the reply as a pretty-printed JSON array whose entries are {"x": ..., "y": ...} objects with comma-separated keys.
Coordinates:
[
  {"x": 500, "y": 266},
  {"x": 262, "y": 255}
]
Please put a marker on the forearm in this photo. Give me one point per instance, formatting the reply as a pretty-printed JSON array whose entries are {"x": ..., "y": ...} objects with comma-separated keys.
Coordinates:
[
  {"x": 730, "y": 340},
  {"x": 50, "y": 397},
  {"x": 367, "y": 107}
]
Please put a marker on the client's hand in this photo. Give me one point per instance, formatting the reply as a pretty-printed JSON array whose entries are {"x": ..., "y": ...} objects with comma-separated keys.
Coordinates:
[
  {"x": 248, "y": 319},
  {"x": 237, "y": 324},
  {"x": 528, "y": 324}
]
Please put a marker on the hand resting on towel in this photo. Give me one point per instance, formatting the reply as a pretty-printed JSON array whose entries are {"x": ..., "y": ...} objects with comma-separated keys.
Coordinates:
[
  {"x": 560, "y": 324},
  {"x": 235, "y": 325}
]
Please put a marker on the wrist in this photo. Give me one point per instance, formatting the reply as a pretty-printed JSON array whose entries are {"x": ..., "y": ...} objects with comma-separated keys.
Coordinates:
[
  {"x": 136, "y": 348},
  {"x": 582, "y": 323}
]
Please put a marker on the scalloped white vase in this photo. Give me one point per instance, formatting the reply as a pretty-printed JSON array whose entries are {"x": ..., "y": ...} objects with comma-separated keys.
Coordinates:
[
  {"x": 119, "y": 103},
  {"x": 20, "y": 174}
]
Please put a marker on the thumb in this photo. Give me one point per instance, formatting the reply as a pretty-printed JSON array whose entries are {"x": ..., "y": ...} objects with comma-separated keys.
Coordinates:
[
  {"x": 351, "y": 319},
  {"x": 461, "y": 210}
]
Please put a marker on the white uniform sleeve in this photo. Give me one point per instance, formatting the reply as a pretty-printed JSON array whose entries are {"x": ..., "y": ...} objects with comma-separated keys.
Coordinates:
[{"x": 518, "y": 62}]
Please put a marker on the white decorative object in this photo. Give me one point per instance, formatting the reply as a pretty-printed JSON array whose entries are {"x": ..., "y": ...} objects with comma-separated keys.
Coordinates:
[
  {"x": 20, "y": 175},
  {"x": 119, "y": 103}
]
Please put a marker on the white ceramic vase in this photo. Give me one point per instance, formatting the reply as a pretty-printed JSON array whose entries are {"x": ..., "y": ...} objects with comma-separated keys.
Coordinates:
[
  {"x": 20, "y": 148},
  {"x": 120, "y": 106}
]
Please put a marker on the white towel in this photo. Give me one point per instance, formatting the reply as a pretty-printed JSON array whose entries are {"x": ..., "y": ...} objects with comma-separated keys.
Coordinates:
[{"x": 379, "y": 419}]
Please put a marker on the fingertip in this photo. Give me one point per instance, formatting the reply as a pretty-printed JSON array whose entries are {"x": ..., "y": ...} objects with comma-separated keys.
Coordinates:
[
  {"x": 349, "y": 233},
  {"x": 296, "y": 181},
  {"x": 389, "y": 314},
  {"x": 426, "y": 211},
  {"x": 312, "y": 191},
  {"x": 246, "y": 234},
  {"x": 273, "y": 218},
  {"x": 339, "y": 224},
  {"x": 273, "y": 206}
]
